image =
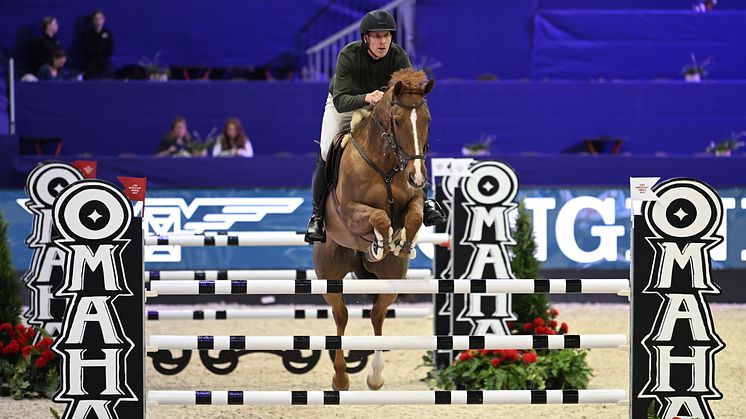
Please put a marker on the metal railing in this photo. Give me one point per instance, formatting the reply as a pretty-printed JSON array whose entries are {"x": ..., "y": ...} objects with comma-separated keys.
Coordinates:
[{"x": 322, "y": 57}]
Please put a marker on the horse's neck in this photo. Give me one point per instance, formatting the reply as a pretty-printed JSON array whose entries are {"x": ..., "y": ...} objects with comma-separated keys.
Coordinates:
[{"x": 375, "y": 144}]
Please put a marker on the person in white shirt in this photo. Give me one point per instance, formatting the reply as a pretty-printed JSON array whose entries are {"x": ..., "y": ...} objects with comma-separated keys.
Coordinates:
[{"x": 233, "y": 142}]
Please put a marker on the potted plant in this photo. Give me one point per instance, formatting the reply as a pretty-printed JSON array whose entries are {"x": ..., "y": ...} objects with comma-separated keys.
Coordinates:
[
  {"x": 199, "y": 147},
  {"x": 153, "y": 68},
  {"x": 428, "y": 65},
  {"x": 480, "y": 148},
  {"x": 695, "y": 71},
  {"x": 725, "y": 147}
]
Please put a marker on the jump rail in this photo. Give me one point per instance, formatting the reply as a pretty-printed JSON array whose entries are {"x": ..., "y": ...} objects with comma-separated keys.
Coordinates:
[
  {"x": 220, "y": 275},
  {"x": 318, "y": 398},
  {"x": 392, "y": 286},
  {"x": 282, "y": 313},
  {"x": 425, "y": 343},
  {"x": 280, "y": 238}
]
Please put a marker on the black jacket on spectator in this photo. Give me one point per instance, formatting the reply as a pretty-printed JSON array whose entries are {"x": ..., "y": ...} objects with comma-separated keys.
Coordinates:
[
  {"x": 40, "y": 52},
  {"x": 98, "y": 49}
]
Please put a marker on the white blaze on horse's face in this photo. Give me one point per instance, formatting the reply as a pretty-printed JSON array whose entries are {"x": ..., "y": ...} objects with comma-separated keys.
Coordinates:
[{"x": 419, "y": 178}]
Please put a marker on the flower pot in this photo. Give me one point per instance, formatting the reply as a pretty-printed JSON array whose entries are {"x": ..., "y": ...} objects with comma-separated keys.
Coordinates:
[
  {"x": 693, "y": 77},
  {"x": 468, "y": 152},
  {"x": 159, "y": 77}
]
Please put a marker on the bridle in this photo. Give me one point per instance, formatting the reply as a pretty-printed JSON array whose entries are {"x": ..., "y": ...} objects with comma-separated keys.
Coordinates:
[{"x": 402, "y": 157}]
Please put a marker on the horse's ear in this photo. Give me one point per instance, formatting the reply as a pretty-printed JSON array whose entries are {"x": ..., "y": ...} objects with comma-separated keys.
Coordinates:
[
  {"x": 429, "y": 86},
  {"x": 398, "y": 87}
]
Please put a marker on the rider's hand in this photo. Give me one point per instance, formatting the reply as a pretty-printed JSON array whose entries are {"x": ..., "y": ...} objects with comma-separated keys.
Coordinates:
[{"x": 374, "y": 97}]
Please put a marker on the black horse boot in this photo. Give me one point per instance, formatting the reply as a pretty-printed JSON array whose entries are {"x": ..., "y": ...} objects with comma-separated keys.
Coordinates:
[
  {"x": 432, "y": 213},
  {"x": 315, "y": 231}
]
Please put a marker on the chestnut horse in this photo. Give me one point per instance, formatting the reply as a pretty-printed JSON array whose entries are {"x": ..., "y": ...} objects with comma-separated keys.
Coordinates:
[{"x": 375, "y": 210}]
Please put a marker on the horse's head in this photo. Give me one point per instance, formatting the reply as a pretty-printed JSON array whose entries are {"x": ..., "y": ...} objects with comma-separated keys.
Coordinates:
[{"x": 409, "y": 120}]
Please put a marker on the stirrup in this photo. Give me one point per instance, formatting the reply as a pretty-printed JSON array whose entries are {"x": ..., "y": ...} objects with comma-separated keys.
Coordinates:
[
  {"x": 432, "y": 214},
  {"x": 315, "y": 231}
]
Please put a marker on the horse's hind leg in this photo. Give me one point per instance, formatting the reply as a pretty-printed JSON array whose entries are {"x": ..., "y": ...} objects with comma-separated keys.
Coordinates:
[
  {"x": 340, "y": 380},
  {"x": 332, "y": 261},
  {"x": 377, "y": 316}
]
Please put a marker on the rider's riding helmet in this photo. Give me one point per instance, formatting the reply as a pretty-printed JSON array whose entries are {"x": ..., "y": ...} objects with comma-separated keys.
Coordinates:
[{"x": 378, "y": 20}]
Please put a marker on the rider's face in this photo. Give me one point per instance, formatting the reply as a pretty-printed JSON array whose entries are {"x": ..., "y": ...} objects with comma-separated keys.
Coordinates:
[{"x": 378, "y": 43}]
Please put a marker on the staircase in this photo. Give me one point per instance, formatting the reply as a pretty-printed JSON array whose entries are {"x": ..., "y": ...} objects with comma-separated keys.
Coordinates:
[{"x": 321, "y": 57}]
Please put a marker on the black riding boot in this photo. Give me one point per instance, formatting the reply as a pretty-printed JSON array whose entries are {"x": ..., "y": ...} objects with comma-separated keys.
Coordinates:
[
  {"x": 315, "y": 231},
  {"x": 432, "y": 213}
]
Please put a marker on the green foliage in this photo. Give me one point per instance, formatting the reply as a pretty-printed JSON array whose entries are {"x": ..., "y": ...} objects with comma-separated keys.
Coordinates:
[
  {"x": 10, "y": 297},
  {"x": 525, "y": 265},
  {"x": 566, "y": 369}
]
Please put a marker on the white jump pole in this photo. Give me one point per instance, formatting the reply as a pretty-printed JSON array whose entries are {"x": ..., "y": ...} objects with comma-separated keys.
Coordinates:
[
  {"x": 282, "y": 313},
  {"x": 319, "y": 398},
  {"x": 251, "y": 274},
  {"x": 259, "y": 239},
  {"x": 424, "y": 343},
  {"x": 392, "y": 286}
]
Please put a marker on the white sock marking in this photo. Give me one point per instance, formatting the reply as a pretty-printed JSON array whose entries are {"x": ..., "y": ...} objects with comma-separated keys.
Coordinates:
[{"x": 377, "y": 368}]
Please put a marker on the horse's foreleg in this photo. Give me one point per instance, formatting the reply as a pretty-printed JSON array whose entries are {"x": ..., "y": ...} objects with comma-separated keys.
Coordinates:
[
  {"x": 359, "y": 218},
  {"x": 340, "y": 380},
  {"x": 377, "y": 316},
  {"x": 404, "y": 245}
]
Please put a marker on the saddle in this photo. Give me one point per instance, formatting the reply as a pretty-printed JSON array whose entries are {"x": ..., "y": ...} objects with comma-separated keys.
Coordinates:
[{"x": 334, "y": 157}]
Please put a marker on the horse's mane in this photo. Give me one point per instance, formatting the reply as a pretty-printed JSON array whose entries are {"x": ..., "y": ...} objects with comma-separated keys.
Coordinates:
[{"x": 410, "y": 78}]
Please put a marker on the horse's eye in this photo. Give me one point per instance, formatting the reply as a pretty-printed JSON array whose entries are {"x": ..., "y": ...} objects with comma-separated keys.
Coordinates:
[{"x": 396, "y": 122}]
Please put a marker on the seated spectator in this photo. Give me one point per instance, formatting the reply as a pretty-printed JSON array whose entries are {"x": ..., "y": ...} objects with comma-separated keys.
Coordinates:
[
  {"x": 178, "y": 141},
  {"x": 55, "y": 69},
  {"x": 99, "y": 45},
  {"x": 42, "y": 48},
  {"x": 233, "y": 142}
]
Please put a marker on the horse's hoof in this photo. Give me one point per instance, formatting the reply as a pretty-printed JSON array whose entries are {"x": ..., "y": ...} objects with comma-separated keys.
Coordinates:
[
  {"x": 373, "y": 386},
  {"x": 345, "y": 388}
]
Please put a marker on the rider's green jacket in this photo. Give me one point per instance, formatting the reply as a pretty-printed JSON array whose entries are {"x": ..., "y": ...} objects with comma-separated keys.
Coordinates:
[{"x": 358, "y": 74}]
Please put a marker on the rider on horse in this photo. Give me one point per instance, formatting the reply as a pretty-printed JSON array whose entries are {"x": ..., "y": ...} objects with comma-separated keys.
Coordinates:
[{"x": 362, "y": 68}]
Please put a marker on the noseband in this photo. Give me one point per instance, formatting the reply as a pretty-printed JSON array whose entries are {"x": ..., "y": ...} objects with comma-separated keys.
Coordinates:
[{"x": 402, "y": 157}]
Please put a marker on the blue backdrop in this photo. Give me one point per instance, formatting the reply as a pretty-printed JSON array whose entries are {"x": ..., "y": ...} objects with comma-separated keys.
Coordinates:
[{"x": 110, "y": 118}]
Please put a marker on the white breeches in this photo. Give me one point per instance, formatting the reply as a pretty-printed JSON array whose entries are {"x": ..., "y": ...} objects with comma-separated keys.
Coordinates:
[{"x": 332, "y": 123}]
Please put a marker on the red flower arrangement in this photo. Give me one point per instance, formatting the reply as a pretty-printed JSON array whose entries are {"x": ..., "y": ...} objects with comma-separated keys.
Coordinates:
[
  {"x": 540, "y": 326},
  {"x": 508, "y": 369},
  {"x": 27, "y": 369}
]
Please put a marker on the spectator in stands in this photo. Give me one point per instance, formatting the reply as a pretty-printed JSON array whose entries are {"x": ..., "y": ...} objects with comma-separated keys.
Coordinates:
[
  {"x": 42, "y": 48},
  {"x": 233, "y": 142},
  {"x": 99, "y": 45},
  {"x": 55, "y": 68},
  {"x": 178, "y": 141}
]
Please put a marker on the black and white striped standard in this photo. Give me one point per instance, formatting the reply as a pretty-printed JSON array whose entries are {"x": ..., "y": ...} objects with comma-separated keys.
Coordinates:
[
  {"x": 370, "y": 343},
  {"x": 393, "y": 286},
  {"x": 320, "y": 398},
  {"x": 283, "y": 313},
  {"x": 264, "y": 238},
  {"x": 250, "y": 274}
]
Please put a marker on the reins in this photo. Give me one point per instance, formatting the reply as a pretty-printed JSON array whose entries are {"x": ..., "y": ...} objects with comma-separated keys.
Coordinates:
[{"x": 402, "y": 157}]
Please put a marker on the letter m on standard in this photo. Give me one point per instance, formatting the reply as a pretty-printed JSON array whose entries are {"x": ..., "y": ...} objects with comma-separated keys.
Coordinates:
[
  {"x": 85, "y": 260},
  {"x": 693, "y": 255}
]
